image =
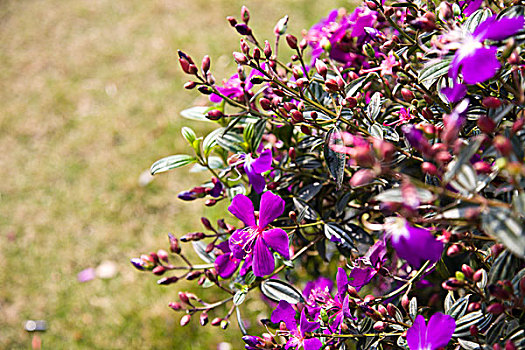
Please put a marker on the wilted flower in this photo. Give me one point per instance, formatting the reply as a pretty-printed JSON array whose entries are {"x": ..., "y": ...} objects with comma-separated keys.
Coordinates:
[{"x": 254, "y": 239}]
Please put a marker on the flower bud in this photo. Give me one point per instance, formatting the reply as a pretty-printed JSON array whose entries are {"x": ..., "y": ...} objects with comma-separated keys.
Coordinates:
[
  {"x": 475, "y": 306},
  {"x": 174, "y": 244},
  {"x": 281, "y": 26},
  {"x": 379, "y": 326},
  {"x": 192, "y": 69},
  {"x": 495, "y": 309},
  {"x": 159, "y": 270},
  {"x": 429, "y": 168},
  {"x": 167, "y": 280},
  {"x": 474, "y": 331},
  {"x": 267, "y": 49},
  {"x": 405, "y": 301},
  {"x": 203, "y": 319},
  {"x": 454, "y": 250},
  {"x": 371, "y": 5},
  {"x": 482, "y": 167},
  {"x": 205, "y": 90},
  {"x": 175, "y": 306},
  {"x": 253, "y": 340},
  {"x": 193, "y": 275},
  {"x": 231, "y": 20},
  {"x": 225, "y": 324},
  {"x": 486, "y": 124},
  {"x": 185, "y": 320},
  {"x": 351, "y": 102},
  {"x": 331, "y": 85},
  {"x": 518, "y": 125},
  {"x": 503, "y": 145},
  {"x": 297, "y": 116},
  {"x": 243, "y": 29},
  {"x": 491, "y": 102},
  {"x": 362, "y": 177},
  {"x": 185, "y": 65},
  {"x": 407, "y": 94},
  {"x": 467, "y": 271},
  {"x": 292, "y": 41},
  {"x": 216, "y": 321},
  {"x": 445, "y": 10},
  {"x": 240, "y": 58},
  {"x": 245, "y": 14},
  {"x": 214, "y": 114},
  {"x": 509, "y": 345},
  {"x": 190, "y": 85},
  {"x": 205, "y": 64}
]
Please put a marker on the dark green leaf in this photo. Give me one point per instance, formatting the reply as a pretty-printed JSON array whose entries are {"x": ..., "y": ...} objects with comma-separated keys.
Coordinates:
[
  {"x": 196, "y": 113},
  {"x": 396, "y": 195},
  {"x": 501, "y": 224},
  {"x": 433, "y": 70},
  {"x": 278, "y": 290},
  {"x": 463, "y": 157},
  {"x": 504, "y": 267},
  {"x": 338, "y": 235},
  {"x": 464, "y": 323},
  {"x": 374, "y": 107},
  {"x": 335, "y": 161},
  {"x": 171, "y": 162},
  {"x": 310, "y": 191},
  {"x": 210, "y": 141},
  {"x": 230, "y": 142},
  {"x": 458, "y": 309},
  {"x": 304, "y": 211}
]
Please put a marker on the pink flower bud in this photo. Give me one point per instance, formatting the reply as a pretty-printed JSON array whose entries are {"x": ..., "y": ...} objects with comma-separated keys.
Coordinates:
[
  {"x": 205, "y": 64},
  {"x": 240, "y": 58},
  {"x": 491, "y": 102},
  {"x": 486, "y": 124},
  {"x": 362, "y": 177},
  {"x": 185, "y": 320},
  {"x": 495, "y": 308},
  {"x": 245, "y": 14},
  {"x": 503, "y": 145},
  {"x": 203, "y": 319},
  {"x": 292, "y": 41},
  {"x": 175, "y": 306}
]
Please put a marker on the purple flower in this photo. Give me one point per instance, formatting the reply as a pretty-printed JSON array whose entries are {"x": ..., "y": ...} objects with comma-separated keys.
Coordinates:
[
  {"x": 254, "y": 239},
  {"x": 415, "y": 245},
  {"x": 254, "y": 167},
  {"x": 372, "y": 261},
  {"x": 478, "y": 62},
  {"x": 435, "y": 335},
  {"x": 233, "y": 87},
  {"x": 322, "y": 284},
  {"x": 285, "y": 313},
  {"x": 226, "y": 264}
]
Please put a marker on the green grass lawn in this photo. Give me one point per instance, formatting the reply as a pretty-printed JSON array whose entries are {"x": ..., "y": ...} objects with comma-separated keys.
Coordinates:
[{"x": 90, "y": 95}]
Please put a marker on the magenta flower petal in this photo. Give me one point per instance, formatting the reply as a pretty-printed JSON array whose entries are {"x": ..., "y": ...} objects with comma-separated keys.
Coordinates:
[
  {"x": 342, "y": 283},
  {"x": 439, "y": 330},
  {"x": 322, "y": 284},
  {"x": 277, "y": 239},
  {"x": 498, "y": 29},
  {"x": 226, "y": 265},
  {"x": 264, "y": 162},
  {"x": 312, "y": 344},
  {"x": 285, "y": 313},
  {"x": 272, "y": 206},
  {"x": 481, "y": 65},
  {"x": 305, "y": 325},
  {"x": 256, "y": 180},
  {"x": 247, "y": 265},
  {"x": 415, "y": 245},
  {"x": 242, "y": 208},
  {"x": 263, "y": 263},
  {"x": 455, "y": 93},
  {"x": 437, "y": 334},
  {"x": 346, "y": 307},
  {"x": 472, "y": 7},
  {"x": 417, "y": 334},
  {"x": 360, "y": 277}
]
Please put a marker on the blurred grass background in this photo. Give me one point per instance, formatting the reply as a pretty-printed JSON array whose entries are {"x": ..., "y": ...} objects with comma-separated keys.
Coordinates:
[{"x": 90, "y": 95}]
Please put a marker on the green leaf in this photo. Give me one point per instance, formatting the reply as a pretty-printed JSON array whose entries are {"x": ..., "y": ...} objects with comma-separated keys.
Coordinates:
[
  {"x": 412, "y": 307},
  {"x": 210, "y": 141},
  {"x": 374, "y": 107},
  {"x": 464, "y": 323},
  {"x": 278, "y": 290},
  {"x": 196, "y": 113},
  {"x": 433, "y": 70},
  {"x": 200, "y": 249},
  {"x": 189, "y": 134},
  {"x": 239, "y": 297},
  {"x": 253, "y": 133},
  {"x": 396, "y": 195},
  {"x": 171, "y": 162},
  {"x": 335, "y": 161},
  {"x": 501, "y": 224},
  {"x": 459, "y": 308},
  {"x": 339, "y": 235},
  {"x": 231, "y": 142},
  {"x": 476, "y": 18},
  {"x": 376, "y": 131}
]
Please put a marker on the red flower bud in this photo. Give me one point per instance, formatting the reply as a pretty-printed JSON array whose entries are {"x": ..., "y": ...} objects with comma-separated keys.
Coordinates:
[
  {"x": 214, "y": 114},
  {"x": 240, "y": 58},
  {"x": 495, "y": 308},
  {"x": 205, "y": 64},
  {"x": 292, "y": 41},
  {"x": 175, "y": 306},
  {"x": 245, "y": 14},
  {"x": 467, "y": 271},
  {"x": 482, "y": 167},
  {"x": 518, "y": 125},
  {"x": 232, "y": 20},
  {"x": 267, "y": 49},
  {"x": 203, "y": 319},
  {"x": 379, "y": 326},
  {"x": 407, "y": 94},
  {"x": 429, "y": 168},
  {"x": 486, "y": 124},
  {"x": 159, "y": 270},
  {"x": 503, "y": 145},
  {"x": 491, "y": 102},
  {"x": 331, "y": 85},
  {"x": 351, "y": 102},
  {"x": 454, "y": 249}
]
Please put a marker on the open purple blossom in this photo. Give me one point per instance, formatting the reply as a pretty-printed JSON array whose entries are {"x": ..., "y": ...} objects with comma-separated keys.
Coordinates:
[
  {"x": 337, "y": 307},
  {"x": 476, "y": 61},
  {"x": 286, "y": 313},
  {"x": 234, "y": 87},
  {"x": 414, "y": 244},
  {"x": 254, "y": 241},
  {"x": 435, "y": 335},
  {"x": 328, "y": 34},
  {"x": 368, "y": 265},
  {"x": 254, "y": 167},
  {"x": 226, "y": 264},
  {"x": 320, "y": 284}
]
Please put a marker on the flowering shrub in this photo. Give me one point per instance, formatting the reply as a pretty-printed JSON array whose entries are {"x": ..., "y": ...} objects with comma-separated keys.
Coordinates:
[{"x": 387, "y": 154}]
